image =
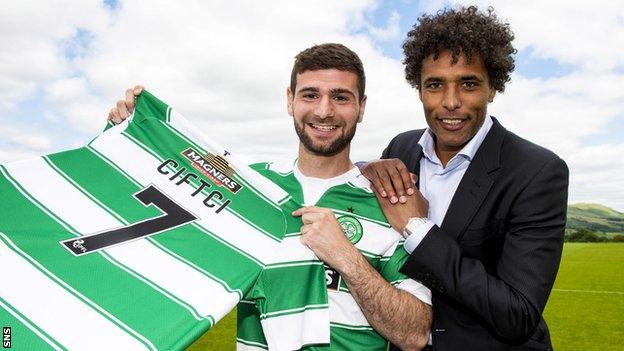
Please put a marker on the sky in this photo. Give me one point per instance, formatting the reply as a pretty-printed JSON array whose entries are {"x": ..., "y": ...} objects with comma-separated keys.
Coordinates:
[{"x": 225, "y": 65}]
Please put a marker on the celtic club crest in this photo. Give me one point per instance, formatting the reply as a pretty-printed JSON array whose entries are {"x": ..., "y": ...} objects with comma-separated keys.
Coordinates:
[{"x": 351, "y": 227}]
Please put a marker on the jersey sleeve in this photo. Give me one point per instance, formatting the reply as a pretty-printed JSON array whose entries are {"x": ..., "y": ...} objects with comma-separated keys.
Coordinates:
[
  {"x": 249, "y": 334},
  {"x": 393, "y": 260}
]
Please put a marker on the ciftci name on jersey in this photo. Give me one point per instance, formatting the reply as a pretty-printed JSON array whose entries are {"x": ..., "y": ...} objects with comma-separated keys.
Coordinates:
[{"x": 215, "y": 168}]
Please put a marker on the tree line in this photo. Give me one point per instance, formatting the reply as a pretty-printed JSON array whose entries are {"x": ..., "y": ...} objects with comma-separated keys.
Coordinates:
[{"x": 585, "y": 235}]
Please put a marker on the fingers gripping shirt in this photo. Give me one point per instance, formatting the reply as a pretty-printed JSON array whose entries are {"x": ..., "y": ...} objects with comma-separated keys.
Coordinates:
[
  {"x": 358, "y": 212},
  {"x": 142, "y": 239}
]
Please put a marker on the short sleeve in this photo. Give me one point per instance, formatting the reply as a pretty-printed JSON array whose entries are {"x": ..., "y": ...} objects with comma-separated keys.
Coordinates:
[
  {"x": 392, "y": 261},
  {"x": 249, "y": 332}
]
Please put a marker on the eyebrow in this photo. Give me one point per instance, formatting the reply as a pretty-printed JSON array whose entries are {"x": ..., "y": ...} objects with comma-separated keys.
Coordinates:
[
  {"x": 461, "y": 78},
  {"x": 308, "y": 89},
  {"x": 334, "y": 91},
  {"x": 471, "y": 77},
  {"x": 342, "y": 91}
]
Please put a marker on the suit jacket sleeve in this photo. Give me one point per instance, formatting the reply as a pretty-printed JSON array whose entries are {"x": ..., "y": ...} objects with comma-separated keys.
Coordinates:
[{"x": 510, "y": 300}]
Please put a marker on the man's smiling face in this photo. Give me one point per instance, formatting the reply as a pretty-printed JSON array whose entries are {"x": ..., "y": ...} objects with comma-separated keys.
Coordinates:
[
  {"x": 455, "y": 98},
  {"x": 326, "y": 109}
]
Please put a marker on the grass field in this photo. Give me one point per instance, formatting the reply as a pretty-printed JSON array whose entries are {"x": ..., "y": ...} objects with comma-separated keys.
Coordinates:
[{"x": 585, "y": 310}]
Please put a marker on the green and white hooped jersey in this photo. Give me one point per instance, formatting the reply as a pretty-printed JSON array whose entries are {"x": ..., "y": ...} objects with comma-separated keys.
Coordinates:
[
  {"x": 357, "y": 210},
  {"x": 141, "y": 240}
]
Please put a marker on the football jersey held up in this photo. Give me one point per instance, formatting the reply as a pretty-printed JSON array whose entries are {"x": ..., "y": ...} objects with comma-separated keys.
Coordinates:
[{"x": 143, "y": 239}]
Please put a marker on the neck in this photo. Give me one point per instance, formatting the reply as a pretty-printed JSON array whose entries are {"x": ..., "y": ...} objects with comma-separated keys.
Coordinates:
[
  {"x": 445, "y": 155},
  {"x": 325, "y": 167}
]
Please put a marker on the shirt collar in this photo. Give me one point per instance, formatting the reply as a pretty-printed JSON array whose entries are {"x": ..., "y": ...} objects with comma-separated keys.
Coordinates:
[
  {"x": 427, "y": 142},
  {"x": 352, "y": 175}
]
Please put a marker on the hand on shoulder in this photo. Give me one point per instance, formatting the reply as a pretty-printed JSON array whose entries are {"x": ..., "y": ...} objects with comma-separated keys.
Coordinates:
[{"x": 390, "y": 178}]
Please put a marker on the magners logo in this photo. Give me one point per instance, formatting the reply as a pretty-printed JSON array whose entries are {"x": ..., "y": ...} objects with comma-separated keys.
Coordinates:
[{"x": 214, "y": 167}]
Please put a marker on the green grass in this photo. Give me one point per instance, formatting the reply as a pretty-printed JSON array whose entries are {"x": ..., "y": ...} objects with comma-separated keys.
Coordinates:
[
  {"x": 220, "y": 338},
  {"x": 581, "y": 314}
]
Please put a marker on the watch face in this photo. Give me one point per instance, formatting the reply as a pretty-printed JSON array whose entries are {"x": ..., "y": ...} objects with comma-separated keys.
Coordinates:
[{"x": 414, "y": 223}]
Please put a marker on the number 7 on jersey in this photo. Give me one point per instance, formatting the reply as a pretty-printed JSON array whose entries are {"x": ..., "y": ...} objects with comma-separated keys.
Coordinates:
[{"x": 174, "y": 216}]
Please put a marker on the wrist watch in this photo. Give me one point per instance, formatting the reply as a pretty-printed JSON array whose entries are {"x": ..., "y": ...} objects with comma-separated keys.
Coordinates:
[{"x": 412, "y": 225}]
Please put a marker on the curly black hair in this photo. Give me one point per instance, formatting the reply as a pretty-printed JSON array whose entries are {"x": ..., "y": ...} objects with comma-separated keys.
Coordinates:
[{"x": 464, "y": 30}]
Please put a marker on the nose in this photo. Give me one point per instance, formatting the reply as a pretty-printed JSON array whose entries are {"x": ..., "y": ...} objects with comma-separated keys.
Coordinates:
[
  {"x": 324, "y": 108},
  {"x": 451, "y": 100}
]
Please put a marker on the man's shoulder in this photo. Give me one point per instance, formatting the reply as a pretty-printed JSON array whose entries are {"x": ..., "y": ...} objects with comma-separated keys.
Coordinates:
[
  {"x": 514, "y": 153},
  {"x": 403, "y": 144},
  {"x": 280, "y": 173},
  {"x": 516, "y": 147},
  {"x": 409, "y": 137}
]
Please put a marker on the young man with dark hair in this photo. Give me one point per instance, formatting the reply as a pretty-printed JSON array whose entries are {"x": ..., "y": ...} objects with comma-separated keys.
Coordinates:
[
  {"x": 485, "y": 227},
  {"x": 370, "y": 302}
]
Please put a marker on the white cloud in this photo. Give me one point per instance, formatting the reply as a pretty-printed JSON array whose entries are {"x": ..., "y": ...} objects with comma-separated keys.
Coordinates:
[
  {"x": 20, "y": 141},
  {"x": 30, "y": 33},
  {"x": 597, "y": 175},
  {"x": 37, "y": 140},
  {"x": 71, "y": 98},
  {"x": 586, "y": 35},
  {"x": 560, "y": 112}
]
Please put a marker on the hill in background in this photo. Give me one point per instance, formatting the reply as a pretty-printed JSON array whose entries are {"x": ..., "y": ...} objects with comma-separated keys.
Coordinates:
[{"x": 595, "y": 217}]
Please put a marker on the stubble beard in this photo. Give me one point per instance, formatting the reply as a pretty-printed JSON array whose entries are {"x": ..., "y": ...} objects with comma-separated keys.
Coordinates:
[{"x": 332, "y": 149}]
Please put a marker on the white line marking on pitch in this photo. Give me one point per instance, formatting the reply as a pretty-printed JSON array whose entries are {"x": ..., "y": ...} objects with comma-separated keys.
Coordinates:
[{"x": 591, "y": 291}]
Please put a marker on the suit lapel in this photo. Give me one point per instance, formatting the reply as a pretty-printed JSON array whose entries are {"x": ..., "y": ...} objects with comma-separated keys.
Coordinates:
[
  {"x": 414, "y": 162},
  {"x": 412, "y": 153},
  {"x": 475, "y": 183}
]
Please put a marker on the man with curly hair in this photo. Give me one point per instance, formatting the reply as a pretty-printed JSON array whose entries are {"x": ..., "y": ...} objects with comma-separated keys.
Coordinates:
[{"x": 485, "y": 227}]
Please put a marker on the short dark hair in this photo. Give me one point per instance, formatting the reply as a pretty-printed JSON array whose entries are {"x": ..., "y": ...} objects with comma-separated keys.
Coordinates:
[
  {"x": 328, "y": 56},
  {"x": 463, "y": 30}
]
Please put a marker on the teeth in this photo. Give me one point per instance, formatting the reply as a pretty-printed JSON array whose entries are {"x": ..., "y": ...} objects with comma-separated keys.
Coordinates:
[
  {"x": 451, "y": 121},
  {"x": 323, "y": 127}
]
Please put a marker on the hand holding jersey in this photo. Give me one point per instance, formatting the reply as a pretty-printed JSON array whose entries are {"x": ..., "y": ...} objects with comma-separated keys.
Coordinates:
[
  {"x": 123, "y": 108},
  {"x": 322, "y": 233}
]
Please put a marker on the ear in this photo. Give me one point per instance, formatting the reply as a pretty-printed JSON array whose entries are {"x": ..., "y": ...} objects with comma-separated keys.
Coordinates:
[
  {"x": 491, "y": 95},
  {"x": 289, "y": 101},
  {"x": 419, "y": 94},
  {"x": 362, "y": 108}
]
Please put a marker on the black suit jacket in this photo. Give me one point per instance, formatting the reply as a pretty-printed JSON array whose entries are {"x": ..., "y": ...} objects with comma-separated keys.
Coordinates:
[{"x": 493, "y": 261}]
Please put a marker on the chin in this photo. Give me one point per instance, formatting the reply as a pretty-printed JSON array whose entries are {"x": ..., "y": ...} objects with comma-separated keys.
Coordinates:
[{"x": 454, "y": 143}]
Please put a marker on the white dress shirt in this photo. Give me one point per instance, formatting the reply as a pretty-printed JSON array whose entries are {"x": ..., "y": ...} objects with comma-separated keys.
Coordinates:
[{"x": 438, "y": 183}]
